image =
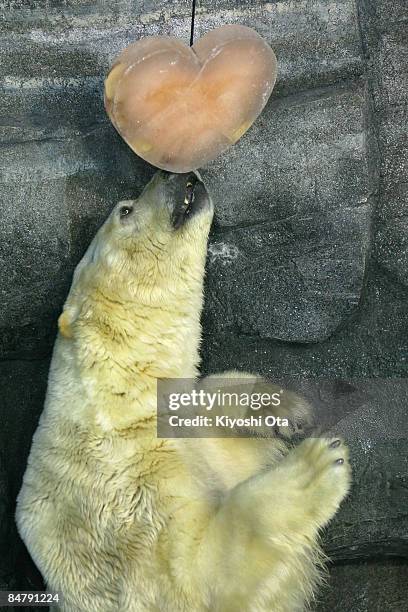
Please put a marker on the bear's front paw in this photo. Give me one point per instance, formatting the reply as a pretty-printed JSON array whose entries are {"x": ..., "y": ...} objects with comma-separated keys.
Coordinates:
[{"x": 324, "y": 475}]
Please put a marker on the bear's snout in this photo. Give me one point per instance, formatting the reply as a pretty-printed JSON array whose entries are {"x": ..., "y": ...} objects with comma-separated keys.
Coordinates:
[{"x": 186, "y": 194}]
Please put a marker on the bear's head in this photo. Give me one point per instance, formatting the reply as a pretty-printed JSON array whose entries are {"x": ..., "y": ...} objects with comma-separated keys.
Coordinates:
[
  {"x": 149, "y": 252},
  {"x": 163, "y": 232}
]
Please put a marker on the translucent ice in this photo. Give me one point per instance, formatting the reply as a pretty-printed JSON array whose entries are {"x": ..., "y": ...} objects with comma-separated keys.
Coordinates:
[{"x": 180, "y": 107}]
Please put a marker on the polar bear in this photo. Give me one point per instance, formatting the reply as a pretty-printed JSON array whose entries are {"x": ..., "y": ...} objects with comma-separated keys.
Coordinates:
[{"x": 118, "y": 520}]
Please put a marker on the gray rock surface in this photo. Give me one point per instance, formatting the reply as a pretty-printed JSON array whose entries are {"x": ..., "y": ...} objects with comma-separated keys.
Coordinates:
[
  {"x": 22, "y": 390},
  {"x": 377, "y": 586},
  {"x": 295, "y": 271},
  {"x": 372, "y": 523},
  {"x": 308, "y": 260}
]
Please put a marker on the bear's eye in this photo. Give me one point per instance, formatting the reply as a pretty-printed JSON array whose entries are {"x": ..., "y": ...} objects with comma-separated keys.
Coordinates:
[{"x": 124, "y": 211}]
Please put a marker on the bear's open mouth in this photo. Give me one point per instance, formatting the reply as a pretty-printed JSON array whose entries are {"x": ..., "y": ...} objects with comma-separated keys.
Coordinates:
[{"x": 183, "y": 210}]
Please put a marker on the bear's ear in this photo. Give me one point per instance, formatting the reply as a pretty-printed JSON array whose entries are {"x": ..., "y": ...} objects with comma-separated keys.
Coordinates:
[
  {"x": 65, "y": 321},
  {"x": 73, "y": 304}
]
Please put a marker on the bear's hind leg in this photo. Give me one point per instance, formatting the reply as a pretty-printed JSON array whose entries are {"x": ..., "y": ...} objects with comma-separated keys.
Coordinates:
[
  {"x": 319, "y": 468},
  {"x": 265, "y": 533}
]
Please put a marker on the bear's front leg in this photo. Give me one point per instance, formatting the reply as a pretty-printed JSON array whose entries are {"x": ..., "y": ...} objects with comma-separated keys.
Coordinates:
[{"x": 261, "y": 548}]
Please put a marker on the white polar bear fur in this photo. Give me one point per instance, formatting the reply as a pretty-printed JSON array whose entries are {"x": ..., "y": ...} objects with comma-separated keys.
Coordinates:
[{"x": 118, "y": 520}]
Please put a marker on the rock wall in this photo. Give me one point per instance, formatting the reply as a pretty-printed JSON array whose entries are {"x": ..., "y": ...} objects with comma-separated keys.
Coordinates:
[{"x": 308, "y": 259}]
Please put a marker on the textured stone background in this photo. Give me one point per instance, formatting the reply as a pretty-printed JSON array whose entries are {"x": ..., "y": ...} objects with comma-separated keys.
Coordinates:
[{"x": 308, "y": 262}]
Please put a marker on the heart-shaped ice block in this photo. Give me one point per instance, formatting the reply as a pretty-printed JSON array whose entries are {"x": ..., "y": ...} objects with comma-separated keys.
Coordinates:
[{"x": 179, "y": 107}]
